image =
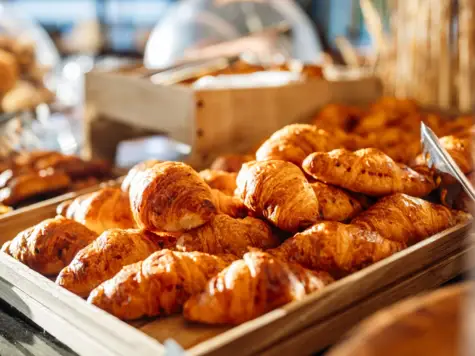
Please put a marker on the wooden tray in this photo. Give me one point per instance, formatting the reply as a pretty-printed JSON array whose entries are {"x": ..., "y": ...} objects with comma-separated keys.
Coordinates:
[
  {"x": 308, "y": 325},
  {"x": 432, "y": 324}
]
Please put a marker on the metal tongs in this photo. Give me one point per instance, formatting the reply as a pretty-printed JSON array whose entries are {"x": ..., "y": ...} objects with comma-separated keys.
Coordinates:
[{"x": 441, "y": 160}]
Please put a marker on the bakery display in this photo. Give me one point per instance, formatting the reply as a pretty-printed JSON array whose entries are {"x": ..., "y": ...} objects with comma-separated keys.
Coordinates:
[
  {"x": 22, "y": 86},
  {"x": 28, "y": 177},
  {"x": 316, "y": 203}
]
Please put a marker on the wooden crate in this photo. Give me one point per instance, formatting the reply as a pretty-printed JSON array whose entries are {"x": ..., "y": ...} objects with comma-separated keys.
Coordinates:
[
  {"x": 305, "y": 326},
  {"x": 210, "y": 122}
]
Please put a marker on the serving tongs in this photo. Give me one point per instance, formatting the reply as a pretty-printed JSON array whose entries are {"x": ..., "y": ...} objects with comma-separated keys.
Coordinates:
[{"x": 438, "y": 157}]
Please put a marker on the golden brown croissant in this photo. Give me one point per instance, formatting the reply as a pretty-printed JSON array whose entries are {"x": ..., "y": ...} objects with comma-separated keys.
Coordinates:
[
  {"x": 135, "y": 171},
  {"x": 232, "y": 206},
  {"x": 368, "y": 171},
  {"x": 459, "y": 149},
  {"x": 9, "y": 72},
  {"x": 251, "y": 287},
  {"x": 73, "y": 166},
  {"x": 295, "y": 142},
  {"x": 50, "y": 245},
  {"x": 278, "y": 191},
  {"x": 159, "y": 285},
  {"x": 230, "y": 163},
  {"x": 336, "y": 248},
  {"x": 171, "y": 196},
  {"x": 406, "y": 219},
  {"x": 334, "y": 203},
  {"x": 341, "y": 116},
  {"x": 32, "y": 184},
  {"x": 105, "y": 209},
  {"x": 224, "y": 234},
  {"x": 103, "y": 258},
  {"x": 221, "y": 180}
]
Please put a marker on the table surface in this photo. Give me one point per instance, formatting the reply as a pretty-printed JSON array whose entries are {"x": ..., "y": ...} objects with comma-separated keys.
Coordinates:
[{"x": 20, "y": 338}]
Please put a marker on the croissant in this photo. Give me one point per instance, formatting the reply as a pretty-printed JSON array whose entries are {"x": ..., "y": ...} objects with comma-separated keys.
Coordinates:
[
  {"x": 171, "y": 196},
  {"x": 32, "y": 184},
  {"x": 251, "y": 287},
  {"x": 135, "y": 171},
  {"x": 334, "y": 203},
  {"x": 50, "y": 245},
  {"x": 406, "y": 219},
  {"x": 105, "y": 209},
  {"x": 230, "y": 163},
  {"x": 228, "y": 205},
  {"x": 159, "y": 285},
  {"x": 73, "y": 166},
  {"x": 458, "y": 148},
  {"x": 223, "y": 234},
  {"x": 336, "y": 248},
  {"x": 340, "y": 116},
  {"x": 221, "y": 180},
  {"x": 103, "y": 258},
  {"x": 368, "y": 171},
  {"x": 295, "y": 142},
  {"x": 278, "y": 191}
]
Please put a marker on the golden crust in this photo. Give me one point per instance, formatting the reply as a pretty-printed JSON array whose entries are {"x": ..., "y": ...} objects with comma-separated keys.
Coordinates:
[
  {"x": 295, "y": 142},
  {"x": 336, "y": 204},
  {"x": 225, "y": 204},
  {"x": 224, "y": 234},
  {"x": 31, "y": 184},
  {"x": 279, "y": 192},
  {"x": 159, "y": 285},
  {"x": 337, "y": 248},
  {"x": 368, "y": 171},
  {"x": 106, "y": 256},
  {"x": 105, "y": 209},
  {"x": 220, "y": 180},
  {"x": 251, "y": 287},
  {"x": 135, "y": 172},
  {"x": 49, "y": 246},
  {"x": 406, "y": 219},
  {"x": 171, "y": 196}
]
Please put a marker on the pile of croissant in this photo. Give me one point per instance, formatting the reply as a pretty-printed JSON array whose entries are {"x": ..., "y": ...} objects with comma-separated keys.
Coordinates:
[
  {"x": 250, "y": 234},
  {"x": 27, "y": 176},
  {"x": 21, "y": 76}
]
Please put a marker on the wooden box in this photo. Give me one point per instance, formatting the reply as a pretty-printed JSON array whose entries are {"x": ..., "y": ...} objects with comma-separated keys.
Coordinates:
[
  {"x": 211, "y": 122},
  {"x": 304, "y": 327}
]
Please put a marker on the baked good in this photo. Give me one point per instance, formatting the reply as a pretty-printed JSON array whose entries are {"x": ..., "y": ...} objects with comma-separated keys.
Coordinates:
[
  {"x": 50, "y": 245},
  {"x": 279, "y": 192},
  {"x": 158, "y": 285}
]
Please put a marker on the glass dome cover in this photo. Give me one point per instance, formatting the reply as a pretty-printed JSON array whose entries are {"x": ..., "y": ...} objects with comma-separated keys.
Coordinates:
[{"x": 194, "y": 24}]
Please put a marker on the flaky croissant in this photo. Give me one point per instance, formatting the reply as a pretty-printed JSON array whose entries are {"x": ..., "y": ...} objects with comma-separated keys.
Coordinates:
[
  {"x": 32, "y": 184},
  {"x": 406, "y": 219},
  {"x": 220, "y": 180},
  {"x": 159, "y": 285},
  {"x": 337, "y": 248},
  {"x": 223, "y": 234},
  {"x": 295, "y": 142},
  {"x": 105, "y": 209},
  {"x": 368, "y": 171},
  {"x": 171, "y": 196},
  {"x": 225, "y": 204},
  {"x": 278, "y": 191},
  {"x": 336, "y": 204},
  {"x": 49, "y": 246},
  {"x": 135, "y": 171},
  {"x": 251, "y": 287},
  {"x": 104, "y": 257}
]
